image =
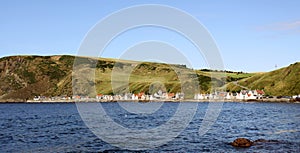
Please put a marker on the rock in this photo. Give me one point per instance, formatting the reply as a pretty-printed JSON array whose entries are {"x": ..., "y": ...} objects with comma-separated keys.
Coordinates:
[
  {"x": 242, "y": 142},
  {"x": 245, "y": 143}
]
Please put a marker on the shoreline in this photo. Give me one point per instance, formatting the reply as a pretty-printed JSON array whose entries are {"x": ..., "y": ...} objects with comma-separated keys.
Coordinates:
[{"x": 159, "y": 100}]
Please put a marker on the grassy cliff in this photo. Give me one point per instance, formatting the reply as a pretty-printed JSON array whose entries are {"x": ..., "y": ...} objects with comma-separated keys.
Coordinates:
[
  {"x": 23, "y": 77},
  {"x": 281, "y": 82}
]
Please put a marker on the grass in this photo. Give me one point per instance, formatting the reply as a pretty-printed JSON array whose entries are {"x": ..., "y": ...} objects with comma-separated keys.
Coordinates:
[
  {"x": 281, "y": 82},
  {"x": 55, "y": 75}
]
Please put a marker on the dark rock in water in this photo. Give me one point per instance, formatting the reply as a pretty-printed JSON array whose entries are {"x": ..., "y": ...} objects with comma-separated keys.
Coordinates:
[
  {"x": 245, "y": 143},
  {"x": 242, "y": 142}
]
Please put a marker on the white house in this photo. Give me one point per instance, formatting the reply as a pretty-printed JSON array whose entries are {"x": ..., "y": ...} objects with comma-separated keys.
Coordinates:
[
  {"x": 250, "y": 95},
  {"x": 228, "y": 96}
]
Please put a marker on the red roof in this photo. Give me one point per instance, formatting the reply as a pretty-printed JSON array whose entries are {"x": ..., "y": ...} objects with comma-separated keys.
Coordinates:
[
  {"x": 171, "y": 94},
  {"x": 260, "y": 92}
]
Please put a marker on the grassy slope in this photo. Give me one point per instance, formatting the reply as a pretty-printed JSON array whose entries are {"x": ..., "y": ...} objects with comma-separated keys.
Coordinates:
[
  {"x": 22, "y": 77},
  {"x": 230, "y": 76},
  {"x": 284, "y": 81}
]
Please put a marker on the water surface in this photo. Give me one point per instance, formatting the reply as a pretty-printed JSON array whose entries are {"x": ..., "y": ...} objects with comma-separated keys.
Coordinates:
[{"x": 58, "y": 127}]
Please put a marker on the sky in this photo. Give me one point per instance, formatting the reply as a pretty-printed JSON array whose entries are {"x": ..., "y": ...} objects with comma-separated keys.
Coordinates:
[{"x": 252, "y": 36}]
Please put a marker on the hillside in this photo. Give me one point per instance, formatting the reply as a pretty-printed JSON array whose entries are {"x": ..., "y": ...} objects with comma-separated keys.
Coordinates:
[
  {"x": 23, "y": 77},
  {"x": 281, "y": 82}
]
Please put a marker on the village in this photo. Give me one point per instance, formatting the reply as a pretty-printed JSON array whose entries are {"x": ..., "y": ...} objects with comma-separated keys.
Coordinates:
[{"x": 243, "y": 95}]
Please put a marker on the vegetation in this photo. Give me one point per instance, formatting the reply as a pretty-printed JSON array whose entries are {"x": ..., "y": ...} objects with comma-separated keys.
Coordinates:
[
  {"x": 30, "y": 76},
  {"x": 281, "y": 82},
  {"x": 23, "y": 77}
]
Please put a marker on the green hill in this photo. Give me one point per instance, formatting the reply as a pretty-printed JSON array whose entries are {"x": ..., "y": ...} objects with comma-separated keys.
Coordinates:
[
  {"x": 281, "y": 82},
  {"x": 23, "y": 77}
]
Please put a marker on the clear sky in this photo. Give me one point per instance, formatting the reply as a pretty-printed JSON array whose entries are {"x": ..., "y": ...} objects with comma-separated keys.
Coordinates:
[{"x": 252, "y": 36}]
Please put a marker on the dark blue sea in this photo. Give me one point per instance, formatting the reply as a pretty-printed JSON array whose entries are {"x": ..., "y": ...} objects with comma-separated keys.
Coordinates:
[{"x": 58, "y": 127}]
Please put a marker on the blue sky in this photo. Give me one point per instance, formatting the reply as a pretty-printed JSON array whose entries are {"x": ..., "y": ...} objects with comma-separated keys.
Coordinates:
[{"x": 252, "y": 36}]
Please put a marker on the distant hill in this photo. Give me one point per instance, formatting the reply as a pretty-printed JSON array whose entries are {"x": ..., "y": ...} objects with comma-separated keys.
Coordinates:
[
  {"x": 281, "y": 82},
  {"x": 23, "y": 77}
]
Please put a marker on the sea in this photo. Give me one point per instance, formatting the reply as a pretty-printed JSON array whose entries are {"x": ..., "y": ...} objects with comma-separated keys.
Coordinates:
[{"x": 162, "y": 127}]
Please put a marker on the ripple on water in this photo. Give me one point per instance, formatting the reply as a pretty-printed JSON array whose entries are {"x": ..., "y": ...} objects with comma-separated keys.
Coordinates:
[{"x": 59, "y": 128}]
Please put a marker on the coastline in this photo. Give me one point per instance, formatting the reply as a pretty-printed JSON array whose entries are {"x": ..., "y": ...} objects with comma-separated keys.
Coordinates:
[{"x": 273, "y": 100}]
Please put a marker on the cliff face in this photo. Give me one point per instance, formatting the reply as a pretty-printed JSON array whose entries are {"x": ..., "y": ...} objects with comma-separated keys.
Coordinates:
[{"x": 22, "y": 77}]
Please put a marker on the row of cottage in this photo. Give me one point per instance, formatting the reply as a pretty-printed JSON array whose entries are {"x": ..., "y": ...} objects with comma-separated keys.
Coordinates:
[
  {"x": 101, "y": 97},
  {"x": 142, "y": 96},
  {"x": 242, "y": 95}
]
